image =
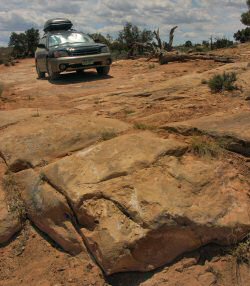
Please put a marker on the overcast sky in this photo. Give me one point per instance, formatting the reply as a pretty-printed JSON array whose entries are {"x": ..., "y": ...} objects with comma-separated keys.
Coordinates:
[{"x": 197, "y": 19}]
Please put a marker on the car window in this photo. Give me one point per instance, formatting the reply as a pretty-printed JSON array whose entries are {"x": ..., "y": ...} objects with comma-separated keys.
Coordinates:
[
  {"x": 69, "y": 38},
  {"x": 43, "y": 41}
]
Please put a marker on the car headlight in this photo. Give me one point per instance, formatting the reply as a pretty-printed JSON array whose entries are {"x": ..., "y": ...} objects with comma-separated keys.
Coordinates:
[
  {"x": 104, "y": 50},
  {"x": 60, "y": 54}
]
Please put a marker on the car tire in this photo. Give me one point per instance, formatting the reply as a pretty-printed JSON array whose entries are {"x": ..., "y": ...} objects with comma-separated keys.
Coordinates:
[
  {"x": 52, "y": 75},
  {"x": 103, "y": 70},
  {"x": 39, "y": 73}
]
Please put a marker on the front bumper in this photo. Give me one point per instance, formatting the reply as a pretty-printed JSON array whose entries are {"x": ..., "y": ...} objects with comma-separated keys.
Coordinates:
[{"x": 79, "y": 62}]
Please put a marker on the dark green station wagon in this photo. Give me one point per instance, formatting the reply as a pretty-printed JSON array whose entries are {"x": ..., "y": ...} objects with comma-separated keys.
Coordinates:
[{"x": 63, "y": 49}]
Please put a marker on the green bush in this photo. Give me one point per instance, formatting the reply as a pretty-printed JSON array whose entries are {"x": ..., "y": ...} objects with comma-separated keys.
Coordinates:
[
  {"x": 242, "y": 35},
  {"x": 219, "y": 83},
  {"x": 221, "y": 43}
]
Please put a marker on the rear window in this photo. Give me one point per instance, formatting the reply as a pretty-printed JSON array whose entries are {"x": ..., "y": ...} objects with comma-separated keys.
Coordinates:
[{"x": 69, "y": 38}]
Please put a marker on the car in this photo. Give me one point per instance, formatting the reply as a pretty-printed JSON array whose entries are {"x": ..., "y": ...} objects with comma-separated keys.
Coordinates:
[{"x": 63, "y": 49}]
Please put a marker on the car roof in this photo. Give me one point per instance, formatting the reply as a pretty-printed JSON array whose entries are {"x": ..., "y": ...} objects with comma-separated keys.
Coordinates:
[{"x": 62, "y": 31}]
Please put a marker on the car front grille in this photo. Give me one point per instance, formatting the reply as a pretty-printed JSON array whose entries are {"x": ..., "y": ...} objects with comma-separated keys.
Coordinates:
[{"x": 86, "y": 51}]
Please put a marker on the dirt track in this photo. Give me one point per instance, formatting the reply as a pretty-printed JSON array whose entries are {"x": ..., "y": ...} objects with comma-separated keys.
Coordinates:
[{"x": 144, "y": 94}]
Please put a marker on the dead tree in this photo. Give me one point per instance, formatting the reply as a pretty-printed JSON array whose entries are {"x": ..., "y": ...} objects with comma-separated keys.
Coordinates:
[{"x": 164, "y": 51}]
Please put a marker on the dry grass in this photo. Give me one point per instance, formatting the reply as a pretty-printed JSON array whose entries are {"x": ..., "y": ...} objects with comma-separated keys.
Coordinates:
[
  {"x": 142, "y": 126},
  {"x": 151, "y": 66},
  {"x": 1, "y": 89},
  {"x": 14, "y": 201},
  {"x": 107, "y": 135},
  {"x": 242, "y": 251},
  {"x": 204, "y": 146},
  {"x": 129, "y": 111}
]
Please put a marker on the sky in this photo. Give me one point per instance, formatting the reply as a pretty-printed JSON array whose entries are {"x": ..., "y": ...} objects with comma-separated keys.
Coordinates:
[{"x": 197, "y": 20}]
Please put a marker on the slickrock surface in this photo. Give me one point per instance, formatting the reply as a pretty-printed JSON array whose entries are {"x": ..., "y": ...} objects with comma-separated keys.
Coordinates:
[{"x": 138, "y": 178}]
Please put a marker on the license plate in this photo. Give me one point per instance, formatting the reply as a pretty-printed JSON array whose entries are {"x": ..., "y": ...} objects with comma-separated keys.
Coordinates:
[{"x": 87, "y": 62}]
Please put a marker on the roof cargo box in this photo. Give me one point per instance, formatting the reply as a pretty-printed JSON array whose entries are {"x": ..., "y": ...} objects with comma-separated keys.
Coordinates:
[{"x": 57, "y": 24}]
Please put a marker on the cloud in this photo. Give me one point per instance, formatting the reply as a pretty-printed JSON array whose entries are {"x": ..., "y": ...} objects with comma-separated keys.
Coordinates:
[{"x": 197, "y": 19}]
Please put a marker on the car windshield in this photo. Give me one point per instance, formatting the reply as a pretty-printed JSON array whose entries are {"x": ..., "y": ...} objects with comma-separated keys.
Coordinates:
[{"x": 69, "y": 38}]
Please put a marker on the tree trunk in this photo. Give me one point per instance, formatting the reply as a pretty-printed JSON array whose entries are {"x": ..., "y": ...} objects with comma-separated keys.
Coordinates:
[{"x": 170, "y": 57}]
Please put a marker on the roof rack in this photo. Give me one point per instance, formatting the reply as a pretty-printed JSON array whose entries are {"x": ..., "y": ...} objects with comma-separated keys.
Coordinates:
[{"x": 57, "y": 24}]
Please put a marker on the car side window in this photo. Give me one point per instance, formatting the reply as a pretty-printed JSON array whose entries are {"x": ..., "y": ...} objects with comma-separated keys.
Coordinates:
[{"x": 43, "y": 41}]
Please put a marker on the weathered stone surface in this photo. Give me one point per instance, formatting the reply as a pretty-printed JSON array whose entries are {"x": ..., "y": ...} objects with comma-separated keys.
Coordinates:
[
  {"x": 221, "y": 271},
  {"x": 110, "y": 234},
  {"x": 155, "y": 119},
  {"x": 153, "y": 214},
  {"x": 49, "y": 211},
  {"x": 10, "y": 222},
  {"x": 41, "y": 139},
  {"x": 117, "y": 157},
  {"x": 234, "y": 127},
  {"x": 10, "y": 117}
]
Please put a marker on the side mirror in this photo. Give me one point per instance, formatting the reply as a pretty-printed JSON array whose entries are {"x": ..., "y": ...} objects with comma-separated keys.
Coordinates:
[{"x": 41, "y": 46}]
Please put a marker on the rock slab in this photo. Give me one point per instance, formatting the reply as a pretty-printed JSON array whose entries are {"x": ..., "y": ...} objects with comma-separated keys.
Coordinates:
[
  {"x": 234, "y": 128},
  {"x": 41, "y": 139}
]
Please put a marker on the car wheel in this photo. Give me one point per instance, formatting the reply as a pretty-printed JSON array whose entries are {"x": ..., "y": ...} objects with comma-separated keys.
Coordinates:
[
  {"x": 39, "y": 73},
  {"x": 103, "y": 70},
  {"x": 52, "y": 75}
]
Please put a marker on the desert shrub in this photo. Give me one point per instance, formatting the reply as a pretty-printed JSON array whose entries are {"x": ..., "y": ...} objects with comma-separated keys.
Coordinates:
[
  {"x": 203, "y": 146},
  {"x": 199, "y": 49},
  {"x": 219, "y": 83},
  {"x": 151, "y": 66},
  {"x": 107, "y": 135},
  {"x": 242, "y": 251},
  {"x": 129, "y": 111},
  {"x": 221, "y": 43},
  {"x": 142, "y": 126},
  {"x": 119, "y": 55},
  {"x": 188, "y": 44}
]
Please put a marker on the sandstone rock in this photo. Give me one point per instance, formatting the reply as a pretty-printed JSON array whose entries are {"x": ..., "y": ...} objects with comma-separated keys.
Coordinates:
[
  {"x": 10, "y": 117},
  {"x": 10, "y": 222},
  {"x": 222, "y": 272},
  {"x": 234, "y": 128},
  {"x": 110, "y": 235},
  {"x": 152, "y": 215},
  {"x": 50, "y": 212},
  {"x": 114, "y": 158},
  {"x": 165, "y": 97},
  {"x": 41, "y": 139},
  {"x": 155, "y": 119}
]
